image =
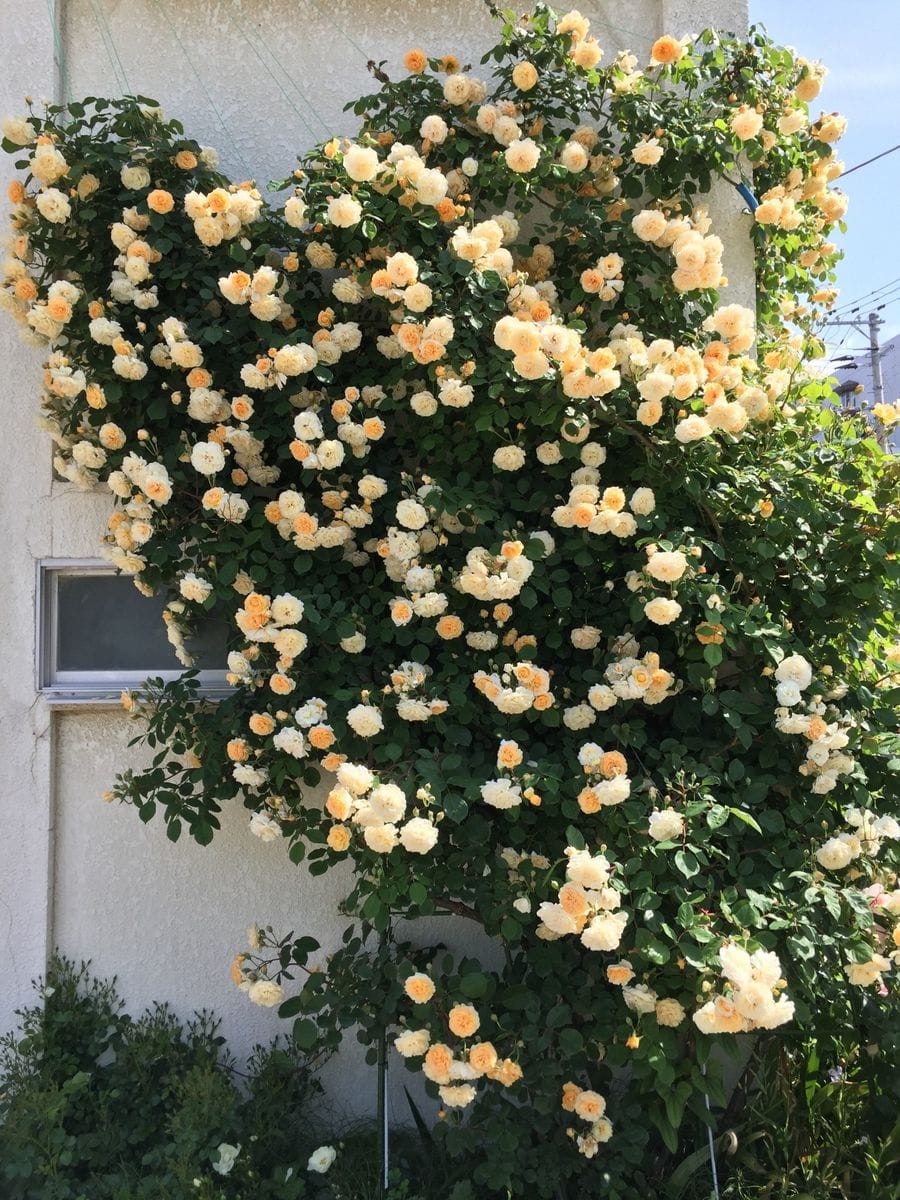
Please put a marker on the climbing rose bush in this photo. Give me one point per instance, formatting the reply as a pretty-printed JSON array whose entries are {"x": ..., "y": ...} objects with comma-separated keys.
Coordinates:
[{"x": 558, "y": 592}]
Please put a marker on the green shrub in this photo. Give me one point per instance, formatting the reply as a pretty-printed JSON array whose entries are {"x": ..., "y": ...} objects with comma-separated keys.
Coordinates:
[{"x": 96, "y": 1105}]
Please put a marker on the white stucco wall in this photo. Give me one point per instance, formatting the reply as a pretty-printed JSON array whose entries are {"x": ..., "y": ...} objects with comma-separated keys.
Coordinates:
[{"x": 260, "y": 81}]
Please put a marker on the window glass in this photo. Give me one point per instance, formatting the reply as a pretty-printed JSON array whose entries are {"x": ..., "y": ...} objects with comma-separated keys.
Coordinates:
[
  {"x": 98, "y": 635},
  {"x": 105, "y": 624}
]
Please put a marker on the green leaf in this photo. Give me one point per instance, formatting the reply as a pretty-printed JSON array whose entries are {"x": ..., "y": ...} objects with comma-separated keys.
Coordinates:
[
  {"x": 713, "y": 654},
  {"x": 455, "y": 807},
  {"x": 746, "y": 818},
  {"x": 687, "y": 864},
  {"x": 291, "y": 1007},
  {"x": 474, "y": 985},
  {"x": 305, "y": 1033},
  {"x": 570, "y": 1042}
]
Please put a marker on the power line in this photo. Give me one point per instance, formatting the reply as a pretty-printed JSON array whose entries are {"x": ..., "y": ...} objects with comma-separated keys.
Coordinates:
[
  {"x": 857, "y": 310},
  {"x": 881, "y": 287},
  {"x": 875, "y": 158},
  {"x": 867, "y": 297},
  {"x": 239, "y": 26}
]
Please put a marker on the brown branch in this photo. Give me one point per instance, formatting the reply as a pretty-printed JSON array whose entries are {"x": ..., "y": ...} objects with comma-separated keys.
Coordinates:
[{"x": 462, "y": 910}]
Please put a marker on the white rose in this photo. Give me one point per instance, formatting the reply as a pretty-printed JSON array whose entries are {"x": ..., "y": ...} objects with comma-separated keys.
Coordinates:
[
  {"x": 295, "y": 212},
  {"x": 320, "y": 1160},
  {"x": 661, "y": 611},
  {"x": 509, "y": 458},
  {"x": 522, "y": 155},
  {"x": 361, "y": 163},
  {"x": 207, "y": 458},
  {"x": 590, "y": 871},
  {"x": 344, "y": 211},
  {"x": 788, "y": 694},
  {"x": 388, "y": 802},
  {"x": 290, "y": 741},
  {"x": 639, "y": 998},
  {"x": 266, "y": 992},
  {"x": 647, "y": 154},
  {"x": 135, "y": 178},
  {"x": 585, "y": 637},
  {"x": 227, "y": 1157},
  {"x": 380, "y": 838},
  {"x": 649, "y": 225},
  {"x": 412, "y": 1043},
  {"x": 433, "y": 129},
  {"x": 355, "y": 777},
  {"x": 642, "y": 502},
  {"x": 18, "y": 131},
  {"x": 264, "y": 827},
  {"x": 834, "y": 854},
  {"x": 423, "y": 404},
  {"x": 53, "y": 205},
  {"x": 418, "y": 836},
  {"x": 457, "y": 1095},
  {"x": 794, "y": 669},
  {"x": 666, "y": 566},
  {"x": 613, "y": 791},
  {"x": 193, "y": 587},
  {"x": 548, "y": 453},
  {"x": 601, "y": 697},
  {"x": 365, "y": 720},
  {"x": 605, "y": 931},
  {"x": 666, "y": 825},
  {"x": 501, "y": 793},
  {"x": 692, "y": 429},
  {"x": 555, "y": 917},
  {"x": 412, "y": 514},
  {"x": 286, "y": 609}
]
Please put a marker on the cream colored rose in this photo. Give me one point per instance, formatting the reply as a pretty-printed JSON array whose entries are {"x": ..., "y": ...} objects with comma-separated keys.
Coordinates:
[
  {"x": 344, "y": 211},
  {"x": 525, "y": 76},
  {"x": 666, "y": 825},
  {"x": 266, "y": 993},
  {"x": 662, "y": 611},
  {"x": 522, "y": 155},
  {"x": 361, "y": 163}
]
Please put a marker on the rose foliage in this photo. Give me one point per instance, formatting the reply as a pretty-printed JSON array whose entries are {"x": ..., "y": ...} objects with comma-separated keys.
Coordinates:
[{"x": 559, "y": 595}]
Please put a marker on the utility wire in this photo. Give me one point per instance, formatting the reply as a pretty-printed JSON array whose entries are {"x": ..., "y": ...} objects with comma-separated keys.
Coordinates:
[
  {"x": 343, "y": 32},
  {"x": 111, "y": 53},
  {"x": 858, "y": 314},
  {"x": 875, "y": 158},
  {"x": 211, "y": 102},
  {"x": 867, "y": 298},
  {"x": 881, "y": 287},
  {"x": 238, "y": 25}
]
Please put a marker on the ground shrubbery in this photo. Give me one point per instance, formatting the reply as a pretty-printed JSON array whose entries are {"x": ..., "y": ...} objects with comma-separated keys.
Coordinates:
[{"x": 98, "y": 1105}]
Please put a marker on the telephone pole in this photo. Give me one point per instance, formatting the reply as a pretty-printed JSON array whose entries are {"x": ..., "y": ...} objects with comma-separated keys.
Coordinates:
[{"x": 874, "y": 323}]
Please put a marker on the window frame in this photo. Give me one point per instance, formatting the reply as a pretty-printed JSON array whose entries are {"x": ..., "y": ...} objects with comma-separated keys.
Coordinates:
[{"x": 79, "y": 688}]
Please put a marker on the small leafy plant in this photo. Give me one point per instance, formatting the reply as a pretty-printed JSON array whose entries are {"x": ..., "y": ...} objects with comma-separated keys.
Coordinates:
[{"x": 97, "y": 1105}]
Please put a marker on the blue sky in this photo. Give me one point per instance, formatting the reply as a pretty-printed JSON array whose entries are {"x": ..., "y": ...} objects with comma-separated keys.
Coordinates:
[{"x": 858, "y": 42}]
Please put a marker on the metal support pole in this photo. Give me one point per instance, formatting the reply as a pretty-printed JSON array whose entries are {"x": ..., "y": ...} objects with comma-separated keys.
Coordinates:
[
  {"x": 713, "y": 1167},
  {"x": 381, "y": 1114},
  {"x": 381, "y": 1101}
]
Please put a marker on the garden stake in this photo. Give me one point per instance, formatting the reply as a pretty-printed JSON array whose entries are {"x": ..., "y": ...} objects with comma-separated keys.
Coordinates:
[
  {"x": 712, "y": 1147},
  {"x": 381, "y": 1110}
]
